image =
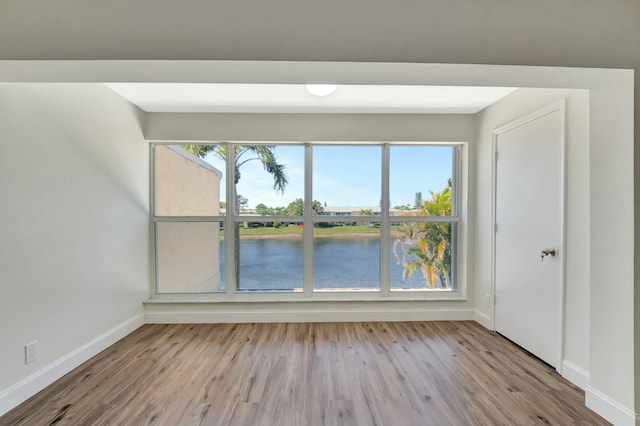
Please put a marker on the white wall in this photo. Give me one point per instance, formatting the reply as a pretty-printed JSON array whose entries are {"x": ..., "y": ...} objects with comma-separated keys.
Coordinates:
[
  {"x": 309, "y": 127},
  {"x": 612, "y": 328},
  {"x": 74, "y": 250},
  {"x": 519, "y": 103}
]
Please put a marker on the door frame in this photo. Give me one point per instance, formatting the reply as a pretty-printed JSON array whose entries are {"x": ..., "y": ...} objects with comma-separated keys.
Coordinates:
[{"x": 527, "y": 118}]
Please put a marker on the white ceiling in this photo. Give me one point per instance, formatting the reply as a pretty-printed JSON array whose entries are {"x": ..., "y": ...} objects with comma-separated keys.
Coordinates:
[{"x": 293, "y": 98}]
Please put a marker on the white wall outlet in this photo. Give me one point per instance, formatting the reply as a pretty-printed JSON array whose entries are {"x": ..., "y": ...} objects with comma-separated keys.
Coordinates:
[{"x": 30, "y": 352}]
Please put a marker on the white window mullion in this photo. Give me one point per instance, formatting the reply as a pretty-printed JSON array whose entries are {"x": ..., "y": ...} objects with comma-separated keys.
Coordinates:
[
  {"x": 307, "y": 229},
  {"x": 230, "y": 283},
  {"x": 455, "y": 177},
  {"x": 154, "y": 237},
  {"x": 385, "y": 227}
]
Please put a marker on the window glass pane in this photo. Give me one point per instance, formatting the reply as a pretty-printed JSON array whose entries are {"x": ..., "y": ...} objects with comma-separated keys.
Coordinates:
[
  {"x": 270, "y": 256},
  {"x": 422, "y": 254},
  {"x": 347, "y": 180},
  {"x": 185, "y": 184},
  {"x": 269, "y": 179},
  {"x": 420, "y": 179},
  {"x": 346, "y": 257},
  {"x": 189, "y": 257}
]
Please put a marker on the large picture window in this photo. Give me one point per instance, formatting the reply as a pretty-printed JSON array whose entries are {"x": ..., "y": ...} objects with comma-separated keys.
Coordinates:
[{"x": 323, "y": 221}]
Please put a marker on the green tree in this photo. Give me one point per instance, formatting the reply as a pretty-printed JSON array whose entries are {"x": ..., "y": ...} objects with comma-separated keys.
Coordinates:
[
  {"x": 242, "y": 202},
  {"x": 262, "y": 209},
  {"x": 427, "y": 246},
  {"x": 366, "y": 212},
  {"x": 403, "y": 207},
  {"x": 418, "y": 200},
  {"x": 296, "y": 207}
]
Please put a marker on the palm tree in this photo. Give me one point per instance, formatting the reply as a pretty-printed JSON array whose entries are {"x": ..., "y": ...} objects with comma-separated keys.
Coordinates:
[
  {"x": 262, "y": 153},
  {"x": 243, "y": 154},
  {"x": 431, "y": 250},
  {"x": 429, "y": 244}
]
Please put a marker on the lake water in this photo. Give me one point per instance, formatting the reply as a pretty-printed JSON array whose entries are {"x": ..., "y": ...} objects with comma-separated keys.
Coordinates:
[{"x": 276, "y": 264}]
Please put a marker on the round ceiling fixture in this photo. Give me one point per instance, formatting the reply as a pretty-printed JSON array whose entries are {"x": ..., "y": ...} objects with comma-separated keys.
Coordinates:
[{"x": 321, "y": 89}]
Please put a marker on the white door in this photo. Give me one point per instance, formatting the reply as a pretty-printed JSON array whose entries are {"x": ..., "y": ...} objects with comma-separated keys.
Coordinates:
[{"x": 529, "y": 182}]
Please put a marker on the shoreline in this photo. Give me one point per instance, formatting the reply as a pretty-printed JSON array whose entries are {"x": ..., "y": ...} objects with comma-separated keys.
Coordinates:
[{"x": 349, "y": 235}]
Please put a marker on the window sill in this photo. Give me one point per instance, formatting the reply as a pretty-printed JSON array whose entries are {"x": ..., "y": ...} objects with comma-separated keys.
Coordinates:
[{"x": 296, "y": 297}]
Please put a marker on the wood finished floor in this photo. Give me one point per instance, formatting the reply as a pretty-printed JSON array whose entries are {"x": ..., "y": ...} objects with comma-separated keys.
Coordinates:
[{"x": 414, "y": 373}]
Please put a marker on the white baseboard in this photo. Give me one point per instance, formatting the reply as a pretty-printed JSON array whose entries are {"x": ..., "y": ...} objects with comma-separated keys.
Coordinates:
[
  {"x": 611, "y": 410},
  {"x": 29, "y": 386},
  {"x": 213, "y": 317},
  {"x": 576, "y": 375},
  {"x": 483, "y": 319}
]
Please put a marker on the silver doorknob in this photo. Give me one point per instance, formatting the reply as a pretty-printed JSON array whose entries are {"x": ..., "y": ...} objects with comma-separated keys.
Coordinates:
[{"x": 548, "y": 252}]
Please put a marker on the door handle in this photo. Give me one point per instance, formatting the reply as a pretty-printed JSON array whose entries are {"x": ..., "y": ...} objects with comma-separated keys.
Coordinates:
[{"x": 548, "y": 252}]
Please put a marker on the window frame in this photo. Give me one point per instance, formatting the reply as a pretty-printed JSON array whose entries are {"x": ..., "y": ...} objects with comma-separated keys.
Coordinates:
[{"x": 384, "y": 293}]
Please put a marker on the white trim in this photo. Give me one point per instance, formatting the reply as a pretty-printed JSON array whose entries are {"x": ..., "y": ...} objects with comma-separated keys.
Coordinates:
[
  {"x": 385, "y": 224},
  {"x": 576, "y": 375},
  {"x": 326, "y": 315},
  {"x": 229, "y": 247},
  {"x": 483, "y": 319},
  {"x": 307, "y": 228},
  {"x": 527, "y": 118},
  {"x": 611, "y": 410},
  {"x": 494, "y": 179},
  {"x": 340, "y": 295},
  {"x": 29, "y": 386}
]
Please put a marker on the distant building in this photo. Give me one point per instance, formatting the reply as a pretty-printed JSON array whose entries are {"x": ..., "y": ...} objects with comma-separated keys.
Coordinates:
[{"x": 356, "y": 211}]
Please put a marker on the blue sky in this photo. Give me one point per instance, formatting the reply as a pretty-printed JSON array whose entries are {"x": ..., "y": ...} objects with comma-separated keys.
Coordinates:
[{"x": 347, "y": 175}]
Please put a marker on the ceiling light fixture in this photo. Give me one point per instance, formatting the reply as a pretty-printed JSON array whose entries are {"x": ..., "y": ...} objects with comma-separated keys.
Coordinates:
[{"x": 321, "y": 89}]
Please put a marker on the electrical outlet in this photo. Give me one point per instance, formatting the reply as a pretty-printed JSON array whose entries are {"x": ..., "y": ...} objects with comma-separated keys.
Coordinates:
[{"x": 30, "y": 352}]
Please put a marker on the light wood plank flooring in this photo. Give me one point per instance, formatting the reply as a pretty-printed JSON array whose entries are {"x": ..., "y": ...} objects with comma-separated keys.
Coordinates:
[{"x": 413, "y": 373}]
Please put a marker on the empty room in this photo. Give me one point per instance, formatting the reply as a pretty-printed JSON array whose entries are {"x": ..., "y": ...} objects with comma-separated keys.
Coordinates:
[{"x": 215, "y": 215}]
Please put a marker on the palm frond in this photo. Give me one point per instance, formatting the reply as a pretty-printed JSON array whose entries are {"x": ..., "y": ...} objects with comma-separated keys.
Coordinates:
[
  {"x": 265, "y": 154},
  {"x": 199, "y": 151}
]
